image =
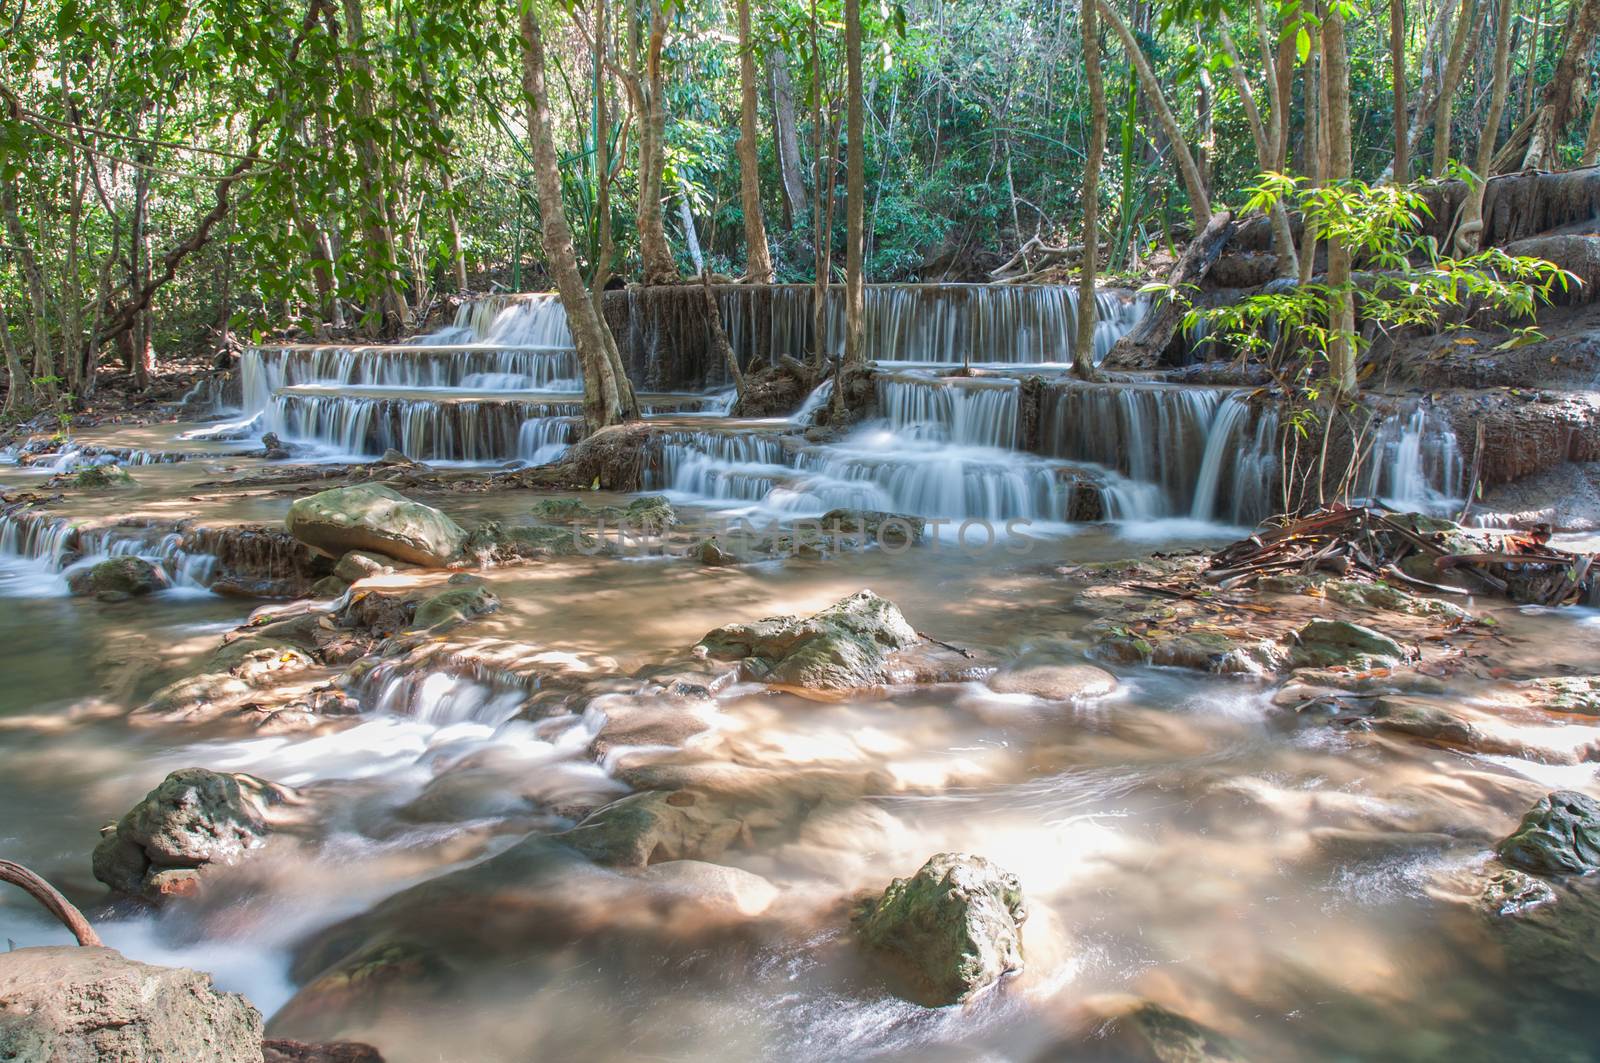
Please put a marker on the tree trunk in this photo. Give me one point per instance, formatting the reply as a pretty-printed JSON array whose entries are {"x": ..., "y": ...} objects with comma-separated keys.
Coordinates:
[
  {"x": 758, "y": 260},
  {"x": 1426, "y": 91},
  {"x": 375, "y": 199},
  {"x": 821, "y": 200},
  {"x": 38, "y": 295},
  {"x": 1083, "y": 342},
  {"x": 855, "y": 187},
  {"x": 1591, "y": 140},
  {"x": 1401, "y": 166},
  {"x": 787, "y": 139},
  {"x": 650, "y": 106},
  {"x": 1199, "y": 202},
  {"x": 1336, "y": 78},
  {"x": 605, "y": 245},
  {"x": 607, "y": 398},
  {"x": 720, "y": 346},
  {"x": 1469, "y": 234},
  {"x": 1559, "y": 105},
  {"x": 691, "y": 238},
  {"x": 18, "y": 388},
  {"x": 1464, "y": 44},
  {"x": 1266, "y": 144},
  {"x": 1141, "y": 348}
]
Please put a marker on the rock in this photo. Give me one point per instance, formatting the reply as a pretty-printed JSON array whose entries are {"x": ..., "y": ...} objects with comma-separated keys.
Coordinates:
[
  {"x": 1577, "y": 694},
  {"x": 1511, "y": 892},
  {"x": 454, "y": 606},
  {"x": 272, "y": 448},
  {"x": 651, "y": 514},
  {"x": 102, "y": 477},
  {"x": 712, "y": 553},
  {"x": 359, "y": 564},
  {"x": 653, "y": 827},
  {"x": 1383, "y": 596},
  {"x": 885, "y": 529},
  {"x": 560, "y": 509},
  {"x": 727, "y": 888},
  {"x": 394, "y": 457},
  {"x": 281, "y": 1051},
  {"x": 1419, "y": 719},
  {"x": 75, "y": 1004},
  {"x": 1559, "y": 836},
  {"x": 1203, "y": 651},
  {"x": 954, "y": 928},
  {"x": 329, "y": 587},
  {"x": 195, "y": 698},
  {"x": 195, "y": 819},
  {"x": 376, "y": 519},
  {"x": 1131, "y": 1030},
  {"x": 117, "y": 578},
  {"x": 1325, "y": 643},
  {"x": 492, "y": 543},
  {"x": 1054, "y": 682},
  {"x": 844, "y": 647}
]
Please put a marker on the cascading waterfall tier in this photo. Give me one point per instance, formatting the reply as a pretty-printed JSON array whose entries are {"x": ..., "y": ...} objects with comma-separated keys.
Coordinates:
[
  {"x": 943, "y": 323},
  {"x": 57, "y": 544},
  {"x": 1207, "y": 453},
  {"x": 267, "y": 370},
  {"x": 447, "y": 425}
]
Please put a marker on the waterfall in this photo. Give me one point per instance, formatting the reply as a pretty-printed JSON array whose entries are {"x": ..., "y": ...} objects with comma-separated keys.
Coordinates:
[
  {"x": 56, "y": 545},
  {"x": 1415, "y": 463},
  {"x": 965, "y": 411},
  {"x": 448, "y": 426},
  {"x": 941, "y": 323},
  {"x": 522, "y": 319},
  {"x": 542, "y": 440},
  {"x": 717, "y": 465},
  {"x": 819, "y": 397}
]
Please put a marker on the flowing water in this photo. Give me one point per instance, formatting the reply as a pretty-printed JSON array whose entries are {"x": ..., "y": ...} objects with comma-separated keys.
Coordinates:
[{"x": 1286, "y": 885}]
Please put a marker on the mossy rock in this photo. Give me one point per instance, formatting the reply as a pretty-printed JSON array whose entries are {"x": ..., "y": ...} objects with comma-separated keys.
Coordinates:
[
  {"x": 952, "y": 930},
  {"x": 1559, "y": 836},
  {"x": 117, "y": 578},
  {"x": 454, "y": 606},
  {"x": 1327, "y": 643},
  {"x": 102, "y": 477}
]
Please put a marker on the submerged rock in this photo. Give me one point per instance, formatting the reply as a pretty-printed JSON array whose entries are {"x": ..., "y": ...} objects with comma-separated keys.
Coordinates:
[
  {"x": 377, "y": 519},
  {"x": 282, "y": 1051},
  {"x": 885, "y": 529},
  {"x": 656, "y": 826},
  {"x": 1577, "y": 694},
  {"x": 359, "y": 564},
  {"x": 454, "y": 606},
  {"x": 1511, "y": 892},
  {"x": 1326, "y": 643},
  {"x": 195, "y": 819},
  {"x": 651, "y": 514},
  {"x": 953, "y": 929},
  {"x": 846, "y": 646},
  {"x": 64, "y": 1004},
  {"x": 1132, "y": 1030},
  {"x": 117, "y": 578},
  {"x": 101, "y": 477},
  {"x": 1053, "y": 682},
  {"x": 1383, "y": 596},
  {"x": 493, "y": 543},
  {"x": 1559, "y": 836}
]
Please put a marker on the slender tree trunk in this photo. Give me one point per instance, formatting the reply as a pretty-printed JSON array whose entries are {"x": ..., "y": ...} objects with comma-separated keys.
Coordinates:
[
  {"x": 855, "y": 188},
  {"x": 1397, "y": 63},
  {"x": 758, "y": 260},
  {"x": 458, "y": 260},
  {"x": 1469, "y": 234},
  {"x": 601, "y": 277},
  {"x": 19, "y": 391},
  {"x": 1199, "y": 202},
  {"x": 1591, "y": 141},
  {"x": 1548, "y": 124},
  {"x": 787, "y": 138},
  {"x": 607, "y": 398},
  {"x": 1316, "y": 161},
  {"x": 38, "y": 295},
  {"x": 1428, "y": 89},
  {"x": 651, "y": 109},
  {"x": 691, "y": 238},
  {"x": 821, "y": 199},
  {"x": 376, "y": 202},
  {"x": 1083, "y": 342},
  {"x": 1461, "y": 47},
  {"x": 1336, "y": 78},
  {"x": 1266, "y": 150}
]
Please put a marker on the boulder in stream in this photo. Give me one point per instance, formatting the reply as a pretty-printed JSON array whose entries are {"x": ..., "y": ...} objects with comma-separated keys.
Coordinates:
[
  {"x": 195, "y": 819},
  {"x": 1129, "y": 1029},
  {"x": 1053, "y": 681},
  {"x": 376, "y": 519},
  {"x": 118, "y": 578},
  {"x": 846, "y": 646},
  {"x": 1325, "y": 643},
  {"x": 1559, "y": 836},
  {"x": 82, "y": 1003},
  {"x": 454, "y": 605},
  {"x": 658, "y": 826},
  {"x": 952, "y": 930}
]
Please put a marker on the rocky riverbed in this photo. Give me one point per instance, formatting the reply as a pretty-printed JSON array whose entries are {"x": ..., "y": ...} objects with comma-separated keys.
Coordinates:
[{"x": 575, "y": 772}]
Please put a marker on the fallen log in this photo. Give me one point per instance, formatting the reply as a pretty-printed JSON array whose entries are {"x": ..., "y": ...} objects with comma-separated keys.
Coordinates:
[{"x": 1141, "y": 348}]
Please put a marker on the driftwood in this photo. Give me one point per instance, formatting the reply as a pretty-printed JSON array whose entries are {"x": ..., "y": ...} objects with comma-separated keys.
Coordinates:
[
  {"x": 47, "y": 895},
  {"x": 1364, "y": 543},
  {"x": 1141, "y": 348}
]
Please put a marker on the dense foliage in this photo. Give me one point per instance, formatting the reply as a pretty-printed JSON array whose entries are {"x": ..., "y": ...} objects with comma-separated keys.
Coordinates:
[{"x": 170, "y": 168}]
